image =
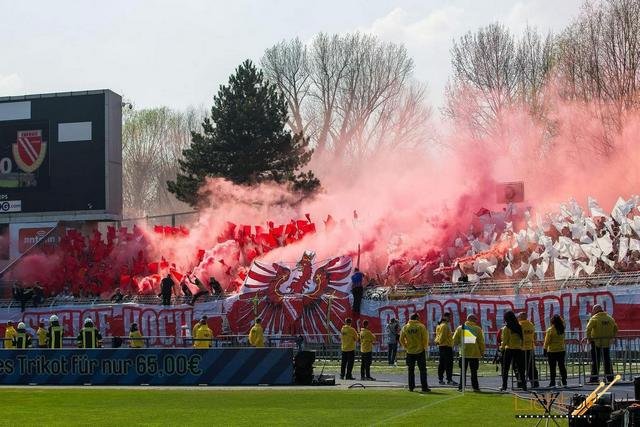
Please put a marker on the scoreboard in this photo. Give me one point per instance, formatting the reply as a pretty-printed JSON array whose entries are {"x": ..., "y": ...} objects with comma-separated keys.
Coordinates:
[{"x": 61, "y": 157}]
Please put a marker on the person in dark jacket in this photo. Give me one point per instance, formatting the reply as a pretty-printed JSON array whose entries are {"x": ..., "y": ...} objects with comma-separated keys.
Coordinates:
[{"x": 166, "y": 288}]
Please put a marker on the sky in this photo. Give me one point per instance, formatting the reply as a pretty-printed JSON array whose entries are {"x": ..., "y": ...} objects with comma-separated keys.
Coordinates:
[{"x": 177, "y": 53}]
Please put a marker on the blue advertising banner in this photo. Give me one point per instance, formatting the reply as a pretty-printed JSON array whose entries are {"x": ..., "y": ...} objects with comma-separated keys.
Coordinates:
[{"x": 232, "y": 366}]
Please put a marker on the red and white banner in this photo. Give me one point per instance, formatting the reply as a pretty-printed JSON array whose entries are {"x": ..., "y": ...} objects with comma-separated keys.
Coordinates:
[
  {"x": 622, "y": 302},
  {"x": 324, "y": 313}
]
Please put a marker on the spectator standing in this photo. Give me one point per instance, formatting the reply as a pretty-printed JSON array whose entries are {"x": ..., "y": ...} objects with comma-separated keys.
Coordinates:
[
  {"x": 472, "y": 347},
  {"x": 136, "y": 339},
  {"x": 356, "y": 289},
  {"x": 415, "y": 339},
  {"x": 601, "y": 331},
  {"x": 511, "y": 347},
  {"x": 348, "y": 337},
  {"x": 41, "y": 333},
  {"x": 366, "y": 351},
  {"x": 256, "y": 334},
  {"x": 444, "y": 340},
  {"x": 528, "y": 348},
  {"x": 89, "y": 336},
  {"x": 9, "y": 334},
  {"x": 117, "y": 297},
  {"x": 166, "y": 287},
  {"x": 393, "y": 336},
  {"x": 22, "y": 339},
  {"x": 55, "y": 333},
  {"x": 554, "y": 348}
]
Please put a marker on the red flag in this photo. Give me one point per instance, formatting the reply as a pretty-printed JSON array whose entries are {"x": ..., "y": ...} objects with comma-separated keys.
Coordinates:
[
  {"x": 246, "y": 230},
  {"x": 125, "y": 279},
  {"x": 329, "y": 222},
  {"x": 152, "y": 267},
  {"x": 177, "y": 276},
  {"x": 158, "y": 229},
  {"x": 163, "y": 264}
]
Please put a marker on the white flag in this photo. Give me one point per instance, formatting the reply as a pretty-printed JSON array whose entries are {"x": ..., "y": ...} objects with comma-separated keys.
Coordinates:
[
  {"x": 595, "y": 208},
  {"x": 623, "y": 247},
  {"x": 562, "y": 269}
]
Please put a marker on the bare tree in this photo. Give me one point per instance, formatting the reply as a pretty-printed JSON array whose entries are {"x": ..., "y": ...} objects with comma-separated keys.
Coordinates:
[
  {"x": 494, "y": 72},
  {"x": 153, "y": 140},
  {"x": 349, "y": 93},
  {"x": 599, "y": 64}
]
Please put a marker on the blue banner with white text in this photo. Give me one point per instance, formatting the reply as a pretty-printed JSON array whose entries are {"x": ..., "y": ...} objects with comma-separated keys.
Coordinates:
[{"x": 122, "y": 366}]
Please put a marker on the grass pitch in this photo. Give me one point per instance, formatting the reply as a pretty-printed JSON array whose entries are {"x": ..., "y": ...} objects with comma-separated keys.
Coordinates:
[{"x": 313, "y": 407}]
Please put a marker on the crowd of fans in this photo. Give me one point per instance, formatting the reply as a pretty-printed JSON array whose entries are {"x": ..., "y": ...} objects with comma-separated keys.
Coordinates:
[
  {"x": 567, "y": 244},
  {"x": 570, "y": 243}
]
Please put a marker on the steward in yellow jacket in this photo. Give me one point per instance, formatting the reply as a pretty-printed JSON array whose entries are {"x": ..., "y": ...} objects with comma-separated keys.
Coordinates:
[
  {"x": 472, "y": 350},
  {"x": 554, "y": 349},
  {"x": 135, "y": 337},
  {"x": 202, "y": 335},
  {"x": 528, "y": 348},
  {"x": 444, "y": 340},
  {"x": 366, "y": 351},
  {"x": 601, "y": 329},
  {"x": 470, "y": 338},
  {"x": 42, "y": 335},
  {"x": 348, "y": 338},
  {"x": 256, "y": 334},
  {"x": 415, "y": 339},
  {"x": 9, "y": 334}
]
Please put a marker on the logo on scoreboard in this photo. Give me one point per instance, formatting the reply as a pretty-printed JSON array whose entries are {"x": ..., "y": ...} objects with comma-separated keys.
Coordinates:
[
  {"x": 11, "y": 206},
  {"x": 29, "y": 150}
]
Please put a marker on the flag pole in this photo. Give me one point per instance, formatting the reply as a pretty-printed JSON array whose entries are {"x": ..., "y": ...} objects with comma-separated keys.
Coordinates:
[
  {"x": 463, "y": 371},
  {"x": 358, "y": 262}
]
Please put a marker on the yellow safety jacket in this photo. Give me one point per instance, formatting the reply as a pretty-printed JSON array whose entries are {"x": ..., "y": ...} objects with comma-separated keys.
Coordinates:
[
  {"x": 9, "y": 334},
  {"x": 366, "y": 340},
  {"x": 136, "y": 340},
  {"x": 553, "y": 341},
  {"x": 204, "y": 337},
  {"x": 444, "y": 338},
  {"x": 256, "y": 336},
  {"x": 601, "y": 329},
  {"x": 349, "y": 336},
  {"x": 414, "y": 337},
  {"x": 528, "y": 334},
  {"x": 510, "y": 340},
  {"x": 42, "y": 337},
  {"x": 471, "y": 350}
]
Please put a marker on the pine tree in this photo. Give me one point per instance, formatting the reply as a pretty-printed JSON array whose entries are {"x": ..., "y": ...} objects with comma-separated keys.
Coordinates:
[{"x": 245, "y": 141}]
